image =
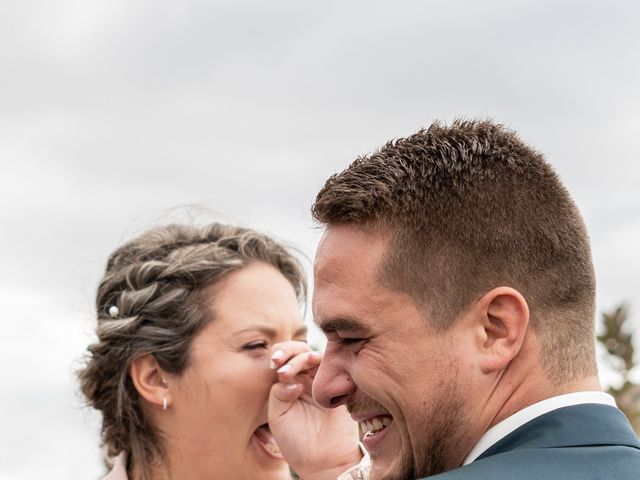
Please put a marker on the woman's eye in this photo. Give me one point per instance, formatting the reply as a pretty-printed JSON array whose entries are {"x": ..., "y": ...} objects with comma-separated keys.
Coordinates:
[{"x": 255, "y": 346}]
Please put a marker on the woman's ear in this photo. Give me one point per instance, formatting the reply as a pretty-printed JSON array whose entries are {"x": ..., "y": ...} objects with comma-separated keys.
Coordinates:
[
  {"x": 150, "y": 381},
  {"x": 504, "y": 319}
]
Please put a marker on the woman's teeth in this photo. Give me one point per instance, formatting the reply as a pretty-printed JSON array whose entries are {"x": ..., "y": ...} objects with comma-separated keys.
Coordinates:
[
  {"x": 272, "y": 448},
  {"x": 374, "y": 425},
  {"x": 268, "y": 442}
]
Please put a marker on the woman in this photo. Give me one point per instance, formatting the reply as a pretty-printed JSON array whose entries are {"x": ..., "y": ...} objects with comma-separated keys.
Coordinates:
[{"x": 188, "y": 321}]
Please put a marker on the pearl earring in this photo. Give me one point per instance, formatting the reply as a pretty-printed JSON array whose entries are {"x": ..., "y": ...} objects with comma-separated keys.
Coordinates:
[{"x": 164, "y": 403}]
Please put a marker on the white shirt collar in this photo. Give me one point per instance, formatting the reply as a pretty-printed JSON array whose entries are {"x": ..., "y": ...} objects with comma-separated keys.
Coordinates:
[
  {"x": 509, "y": 424},
  {"x": 359, "y": 471}
]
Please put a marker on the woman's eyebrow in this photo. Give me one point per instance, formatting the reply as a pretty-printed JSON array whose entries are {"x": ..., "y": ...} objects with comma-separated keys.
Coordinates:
[
  {"x": 301, "y": 331},
  {"x": 268, "y": 331}
]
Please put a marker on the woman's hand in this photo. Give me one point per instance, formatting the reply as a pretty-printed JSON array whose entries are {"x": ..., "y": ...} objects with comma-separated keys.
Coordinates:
[{"x": 317, "y": 443}]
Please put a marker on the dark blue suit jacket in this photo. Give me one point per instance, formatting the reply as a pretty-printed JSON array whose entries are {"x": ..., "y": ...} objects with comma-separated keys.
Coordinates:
[{"x": 581, "y": 442}]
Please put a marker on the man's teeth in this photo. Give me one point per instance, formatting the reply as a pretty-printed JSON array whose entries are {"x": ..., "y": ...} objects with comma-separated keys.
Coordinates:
[{"x": 374, "y": 425}]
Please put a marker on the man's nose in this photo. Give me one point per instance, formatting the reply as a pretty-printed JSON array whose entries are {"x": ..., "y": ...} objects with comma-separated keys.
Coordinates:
[{"x": 332, "y": 384}]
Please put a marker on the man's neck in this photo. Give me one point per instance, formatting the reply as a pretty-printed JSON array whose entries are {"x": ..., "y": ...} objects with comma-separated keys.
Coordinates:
[
  {"x": 524, "y": 416},
  {"x": 533, "y": 392}
]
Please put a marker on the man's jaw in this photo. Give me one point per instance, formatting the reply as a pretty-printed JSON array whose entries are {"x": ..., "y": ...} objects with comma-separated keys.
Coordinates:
[{"x": 379, "y": 430}]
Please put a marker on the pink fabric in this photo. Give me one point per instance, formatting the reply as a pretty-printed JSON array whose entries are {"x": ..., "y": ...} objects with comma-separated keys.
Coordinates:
[
  {"x": 119, "y": 470},
  {"x": 358, "y": 472}
]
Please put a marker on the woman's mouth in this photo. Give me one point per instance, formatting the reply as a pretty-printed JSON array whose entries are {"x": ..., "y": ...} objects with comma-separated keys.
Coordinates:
[{"x": 267, "y": 442}]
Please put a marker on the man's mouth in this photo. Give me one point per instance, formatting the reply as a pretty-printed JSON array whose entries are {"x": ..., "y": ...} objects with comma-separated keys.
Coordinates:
[
  {"x": 374, "y": 425},
  {"x": 267, "y": 442}
]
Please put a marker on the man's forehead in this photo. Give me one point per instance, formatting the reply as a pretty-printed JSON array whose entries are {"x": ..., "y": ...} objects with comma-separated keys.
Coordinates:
[
  {"x": 344, "y": 247},
  {"x": 346, "y": 279}
]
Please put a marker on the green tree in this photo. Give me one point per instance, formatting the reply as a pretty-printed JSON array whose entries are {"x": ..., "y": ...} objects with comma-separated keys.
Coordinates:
[{"x": 617, "y": 339}]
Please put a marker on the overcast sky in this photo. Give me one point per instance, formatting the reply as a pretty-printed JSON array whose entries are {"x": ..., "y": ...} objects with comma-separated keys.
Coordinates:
[{"x": 114, "y": 112}]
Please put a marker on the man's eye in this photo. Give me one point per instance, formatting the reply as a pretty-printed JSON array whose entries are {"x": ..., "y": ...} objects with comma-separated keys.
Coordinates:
[
  {"x": 350, "y": 341},
  {"x": 255, "y": 345}
]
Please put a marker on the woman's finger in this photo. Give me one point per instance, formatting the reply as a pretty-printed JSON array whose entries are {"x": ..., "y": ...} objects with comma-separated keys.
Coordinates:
[
  {"x": 306, "y": 362},
  {"x": 283, "y": 352},
  {"x": 281, "y": 398}
]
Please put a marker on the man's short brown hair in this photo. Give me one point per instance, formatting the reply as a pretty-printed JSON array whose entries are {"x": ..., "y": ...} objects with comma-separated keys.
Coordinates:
[{"x": 469, "y": 207}]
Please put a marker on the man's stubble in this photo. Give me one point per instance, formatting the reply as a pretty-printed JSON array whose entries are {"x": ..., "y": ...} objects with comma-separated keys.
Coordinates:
[{"x": 437, "y": 448}]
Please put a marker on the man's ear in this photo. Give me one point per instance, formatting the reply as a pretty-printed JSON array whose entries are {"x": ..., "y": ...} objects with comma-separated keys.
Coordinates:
[
  {"x": 504, "y": 317},
  {"x": 150, "y": 381}
]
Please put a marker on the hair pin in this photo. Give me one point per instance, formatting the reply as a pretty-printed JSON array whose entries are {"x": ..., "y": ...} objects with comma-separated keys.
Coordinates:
[{"x": 114, "y": 311}]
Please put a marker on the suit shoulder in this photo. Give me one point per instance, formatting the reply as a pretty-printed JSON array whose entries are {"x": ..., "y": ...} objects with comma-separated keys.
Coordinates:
[{"x": 568, "y": 463}]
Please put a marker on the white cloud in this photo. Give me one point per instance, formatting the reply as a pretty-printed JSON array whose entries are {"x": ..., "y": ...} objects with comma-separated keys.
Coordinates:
[{"x": 113, "y": 112}]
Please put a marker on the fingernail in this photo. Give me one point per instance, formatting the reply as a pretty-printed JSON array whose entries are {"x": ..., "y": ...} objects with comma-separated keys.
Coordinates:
[
  {"x": 291, "y": 386},
  {"x": 284, "y": 368},
  {"x": 276, "y": 355}
]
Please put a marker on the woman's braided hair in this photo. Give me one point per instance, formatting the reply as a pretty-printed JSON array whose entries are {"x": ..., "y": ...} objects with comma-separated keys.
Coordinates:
[{"x": 158, "y": 283}]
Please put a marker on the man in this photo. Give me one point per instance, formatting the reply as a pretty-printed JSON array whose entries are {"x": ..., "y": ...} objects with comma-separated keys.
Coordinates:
[{"x": 455, "y": 285}]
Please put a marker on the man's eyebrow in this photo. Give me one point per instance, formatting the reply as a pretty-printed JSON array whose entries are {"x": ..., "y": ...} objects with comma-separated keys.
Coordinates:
[{"x": 340, "y": 324}]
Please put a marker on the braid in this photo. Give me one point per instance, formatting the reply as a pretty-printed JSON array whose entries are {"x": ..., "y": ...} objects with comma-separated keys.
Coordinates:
[{"x": 157, "y": 281}]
